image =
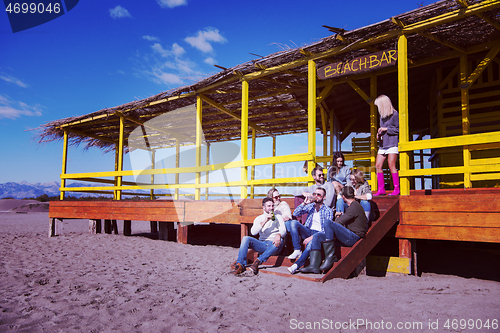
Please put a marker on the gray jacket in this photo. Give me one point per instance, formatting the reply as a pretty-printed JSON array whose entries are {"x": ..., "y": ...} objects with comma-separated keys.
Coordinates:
[{"x": 391, "y": 137}]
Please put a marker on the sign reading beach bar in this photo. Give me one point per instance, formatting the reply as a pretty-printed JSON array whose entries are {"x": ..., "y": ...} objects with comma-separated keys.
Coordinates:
[{"x": 362, "y": 64}]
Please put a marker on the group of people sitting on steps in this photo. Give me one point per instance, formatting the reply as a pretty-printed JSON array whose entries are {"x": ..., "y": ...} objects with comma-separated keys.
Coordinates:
[{"x": 327, "y": 213}]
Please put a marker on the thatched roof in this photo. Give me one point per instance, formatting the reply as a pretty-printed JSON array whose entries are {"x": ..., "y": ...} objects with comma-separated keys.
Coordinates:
[{"x": 437, "y": 35}]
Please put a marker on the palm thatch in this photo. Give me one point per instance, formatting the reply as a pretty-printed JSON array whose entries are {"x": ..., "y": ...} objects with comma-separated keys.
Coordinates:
[{"x": 278, "y": 82}]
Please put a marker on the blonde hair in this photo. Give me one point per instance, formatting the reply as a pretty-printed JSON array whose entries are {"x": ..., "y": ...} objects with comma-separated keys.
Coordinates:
[
  {"x": 384, "y": 106},
  {"x": 271, "y": 192},
  {"x": 359, "y": 176}
]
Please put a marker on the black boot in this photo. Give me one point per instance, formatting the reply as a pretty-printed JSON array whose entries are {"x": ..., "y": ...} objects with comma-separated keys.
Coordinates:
[
  {"x": 314, "y": 262},
  {"x": 330, "y": 257}
]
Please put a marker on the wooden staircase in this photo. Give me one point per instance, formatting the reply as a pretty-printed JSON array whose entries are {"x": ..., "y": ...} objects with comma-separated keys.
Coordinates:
[{"x": 386, "y": 209}]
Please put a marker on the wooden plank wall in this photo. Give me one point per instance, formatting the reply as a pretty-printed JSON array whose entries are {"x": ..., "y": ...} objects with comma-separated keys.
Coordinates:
[
  {"x": 458, "y": 215},
  {"x": 169, "y": 211}
]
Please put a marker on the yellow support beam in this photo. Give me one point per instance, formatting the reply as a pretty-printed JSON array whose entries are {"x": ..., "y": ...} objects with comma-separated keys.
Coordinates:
[
  {"x": 70, "y": 130},
  {"x": 452, "y": 170},
  {"x": 206, "y": 172},
  {"x": 177, "y": 165},
  {"x": 404, "y": 133},
  {"x": 454, "y": 141},
  {"x": 199, "y": 135},
  {"x": 244, "y": 135},
  {"x": 325, "y": 92},
  {"x": 252, "y": 172},
  {"x": 359, "y": 90},
  {"x": 64, "y": 164},
  {"x": 120, "y": 158},
  {"x": 373, "y": 132},
  {"x": 311, "y": 107},
  {"x": 213, "y": 167},
  {"x": 153, "y": 162},
  {"x": 482, "y": 66},
  {"x": 464, "y": 93}
]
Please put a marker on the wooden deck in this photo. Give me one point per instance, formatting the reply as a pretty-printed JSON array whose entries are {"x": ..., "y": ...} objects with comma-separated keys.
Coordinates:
[{"x": 471, "y": 215}]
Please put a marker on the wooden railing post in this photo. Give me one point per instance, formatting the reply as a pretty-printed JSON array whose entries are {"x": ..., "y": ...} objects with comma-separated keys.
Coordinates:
[
  {"x": 311, "y": 113},
  {"x": 404, "y": 136}
]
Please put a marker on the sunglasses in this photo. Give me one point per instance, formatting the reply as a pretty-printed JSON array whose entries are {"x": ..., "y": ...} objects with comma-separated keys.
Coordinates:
[
  {"x": 317, "y": 195},
  {"x": 277, "y": 197}
]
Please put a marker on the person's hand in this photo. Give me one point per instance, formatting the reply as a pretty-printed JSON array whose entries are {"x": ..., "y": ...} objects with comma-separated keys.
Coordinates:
[
  {"x": 277, "y": 240},
  {"x": 338, "y": 214},
  {"x": 308, "y": 198},
  {"x": 307, "y": 240}
]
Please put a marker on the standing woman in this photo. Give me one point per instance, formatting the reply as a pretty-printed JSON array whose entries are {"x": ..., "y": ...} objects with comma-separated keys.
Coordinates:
[{"x": 388, "y": 137}]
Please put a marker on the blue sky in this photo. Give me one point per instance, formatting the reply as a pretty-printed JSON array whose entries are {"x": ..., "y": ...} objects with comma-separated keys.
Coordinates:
[{"x": 106, "y": 53}]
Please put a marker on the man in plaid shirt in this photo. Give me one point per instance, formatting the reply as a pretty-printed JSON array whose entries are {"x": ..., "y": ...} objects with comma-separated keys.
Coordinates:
[{"x": 318, "y": 215}]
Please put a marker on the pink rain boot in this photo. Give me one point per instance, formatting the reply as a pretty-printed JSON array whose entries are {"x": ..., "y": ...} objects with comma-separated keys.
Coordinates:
[
  {"x": 381, "y": 185},
  {"x": 395, "y": 181}
]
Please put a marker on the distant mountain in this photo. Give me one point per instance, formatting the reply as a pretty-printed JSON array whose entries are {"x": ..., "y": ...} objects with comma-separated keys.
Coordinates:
[{"x": 24, "y": 190}]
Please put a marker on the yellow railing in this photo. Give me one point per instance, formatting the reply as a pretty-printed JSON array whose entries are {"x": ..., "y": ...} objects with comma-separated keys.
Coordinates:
[
  {"x": 96, "y": 177},
  {"x": 481, "y": 169}
]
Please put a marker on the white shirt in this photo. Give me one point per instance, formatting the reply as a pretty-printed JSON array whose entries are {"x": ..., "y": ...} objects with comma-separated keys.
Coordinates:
[{"x": 316, "y": 221}]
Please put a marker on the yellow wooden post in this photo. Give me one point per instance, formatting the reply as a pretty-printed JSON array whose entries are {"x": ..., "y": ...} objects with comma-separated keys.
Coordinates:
[
  {"x": 373, "y": 132},
  {"x": 464, "y": 94},
  {"x": 153, "y": 162},
  {"x": 274, "y": 154},
  {"x": 64, "y": 163},
  {"x": 244, "y": 136},
  {"x": 207, "y": 172},
  {"x": 332, "y": 126},
  {"x": 199, "y": 133},
  {"x": 119, "y": 166},
  {"x": 115, "y": 192},
  {"x": 404, "y": 136},
  {"x": 252, "y": 172},
  {"x": 177, "y": 164},
  {"x": 311, "y": 113}
]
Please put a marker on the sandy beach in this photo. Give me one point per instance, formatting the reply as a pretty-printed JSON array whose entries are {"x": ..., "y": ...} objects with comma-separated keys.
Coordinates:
[{"x": 79, "y": 282}]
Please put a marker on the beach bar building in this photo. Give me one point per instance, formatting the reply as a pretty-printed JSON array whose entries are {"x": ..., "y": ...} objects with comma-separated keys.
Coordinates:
[{"x": 439, "y": 64}]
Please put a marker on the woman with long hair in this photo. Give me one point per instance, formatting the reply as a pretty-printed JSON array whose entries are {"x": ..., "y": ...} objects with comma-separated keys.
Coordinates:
[
  {"x": 388, "y": 137},
  {"x": 362, "y": 193},
  {"x": 338, "y": 173}
]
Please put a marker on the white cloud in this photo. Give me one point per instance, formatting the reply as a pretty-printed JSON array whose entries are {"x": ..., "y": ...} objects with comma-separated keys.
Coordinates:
[
  {"x": 119, "y": 12},
  {"x": 13, "y": 80},
  {"x": 151, "y": 38},
  {"x": 171, "y": 3},
  {"x": 12, "y": 110},
  {"x": 210, "y": 61},
  {"x": 176, "y": 50},
  {"x": 166, "y": 78},
  {"x": 202, "y": 39}
]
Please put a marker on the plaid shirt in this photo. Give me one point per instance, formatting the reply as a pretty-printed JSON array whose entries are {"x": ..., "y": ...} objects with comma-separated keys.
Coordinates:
[{"x": 325, "y": 214}]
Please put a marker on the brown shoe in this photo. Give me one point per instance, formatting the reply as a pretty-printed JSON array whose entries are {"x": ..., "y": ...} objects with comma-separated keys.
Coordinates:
[
  {"x": 238, "y": 269},
  {"x": 233, "y": 265},
  {"x": 255, "y": 266}
]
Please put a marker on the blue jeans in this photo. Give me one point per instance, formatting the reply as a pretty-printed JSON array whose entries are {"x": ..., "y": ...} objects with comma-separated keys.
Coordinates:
[
  {"x": 333, "y": 231},
  {"x": 264, "y": 248},
  {"x": 336, "y": 231},
  {"x": 342, "y": 206},
  {"x": 297, "y": 230},
  {"x": 314, "y": 244}
]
